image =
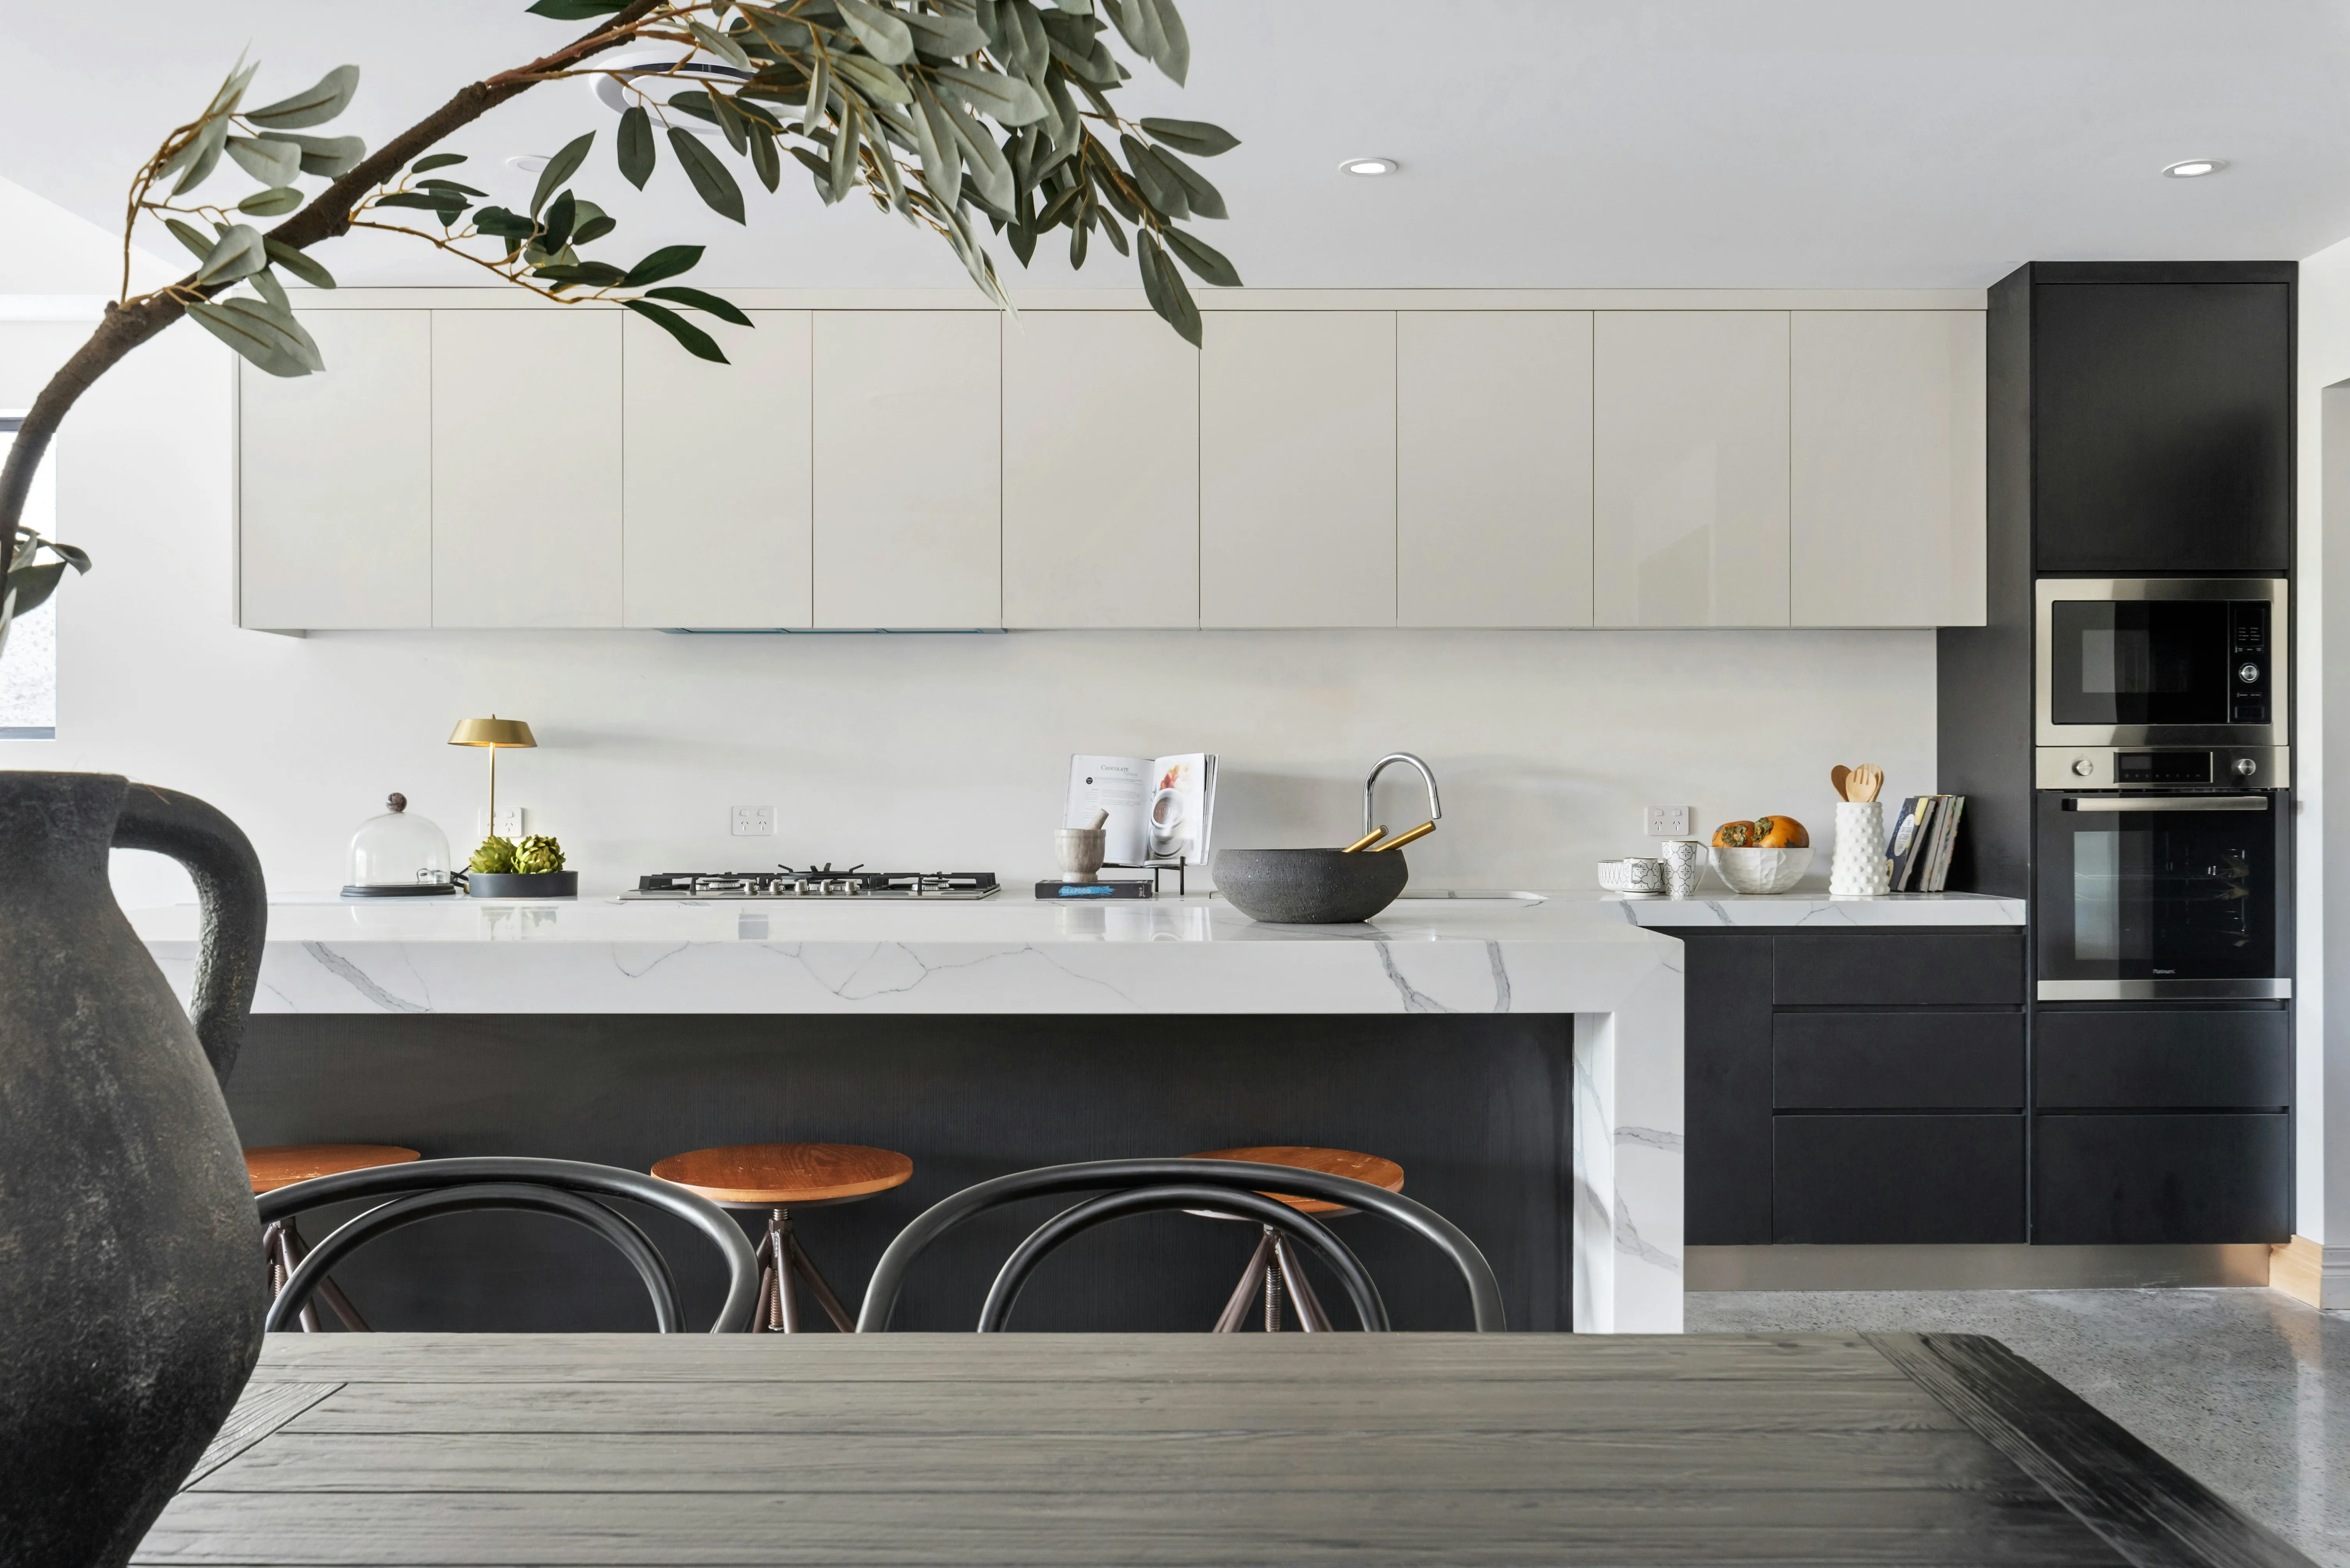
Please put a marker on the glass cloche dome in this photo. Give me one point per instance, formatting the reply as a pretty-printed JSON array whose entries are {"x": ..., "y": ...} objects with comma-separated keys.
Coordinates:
[{"x": 398, "y": 856}]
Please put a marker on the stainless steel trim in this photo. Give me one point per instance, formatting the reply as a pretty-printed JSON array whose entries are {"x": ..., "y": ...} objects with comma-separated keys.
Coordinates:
[
  {"x": 2046, "y": 591},
  {"x": 2058, "y": 767},
  {"x": 2165, "y": 989},
  {"x": 1972, "y": 1266},
  {"x": 2171, "y": 803}
]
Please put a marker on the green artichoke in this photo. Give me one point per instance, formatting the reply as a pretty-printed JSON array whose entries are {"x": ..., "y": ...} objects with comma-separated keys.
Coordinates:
[
  {"x": 538, "y": 854},
  {"x": 494, "y": 858}
]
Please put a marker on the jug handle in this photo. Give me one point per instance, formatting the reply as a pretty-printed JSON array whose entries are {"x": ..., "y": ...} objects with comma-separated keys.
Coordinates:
[{"x": 232, "y": 899}]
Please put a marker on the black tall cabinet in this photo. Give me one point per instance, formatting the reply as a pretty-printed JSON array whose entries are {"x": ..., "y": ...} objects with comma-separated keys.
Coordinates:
[{"x": 2141, "y": 425}]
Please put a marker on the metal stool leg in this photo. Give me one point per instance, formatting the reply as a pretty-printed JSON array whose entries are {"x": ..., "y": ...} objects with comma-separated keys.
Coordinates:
[
  {"x": 777, "y": 1312},
  {"x": 281, "y": 1244},
  {"x": 297, "y": 1249},
  {"x": 1310, "y": 1315},
  {"x": 797, "y": 1256},
  {"x": 1245, "y": 1294}
]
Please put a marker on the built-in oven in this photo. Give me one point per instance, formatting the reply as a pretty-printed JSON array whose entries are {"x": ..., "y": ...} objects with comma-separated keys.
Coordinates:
[
  {"x": 2158, "y": 875},
  {"x": 2160, "y": 662}
]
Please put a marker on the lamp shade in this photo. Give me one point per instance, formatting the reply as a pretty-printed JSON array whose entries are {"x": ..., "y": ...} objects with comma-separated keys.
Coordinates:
[{"x": 492, "y": 732}]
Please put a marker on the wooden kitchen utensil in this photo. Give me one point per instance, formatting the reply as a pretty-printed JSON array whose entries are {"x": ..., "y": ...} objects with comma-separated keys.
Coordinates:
[
  {"x": 1400, "y": 839},
  {"x": 1866, "y": 780},
  {"x": 1839, "y": 775},
  {"x": 1366, "y": 840}
]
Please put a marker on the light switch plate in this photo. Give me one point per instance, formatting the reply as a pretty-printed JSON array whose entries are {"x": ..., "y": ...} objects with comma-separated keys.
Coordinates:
[
  {"x": 1669, "y": 820},
  {"x": 507, "y": 825},
  {"x": 754, "y": 821}
]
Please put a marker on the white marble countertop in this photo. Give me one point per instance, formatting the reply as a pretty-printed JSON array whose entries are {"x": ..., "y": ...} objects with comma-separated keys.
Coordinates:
[{"x": 1821, "y": 911}]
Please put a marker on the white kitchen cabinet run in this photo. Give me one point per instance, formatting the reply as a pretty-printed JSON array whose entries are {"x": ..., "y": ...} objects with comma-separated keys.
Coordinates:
[
  {"x": 719, "y": 476},
  {"x": 335, "y": 480},
  {"x": 527, "y": 468},
  {"x": 1689, "y": 468},
  {"x": 1494, "y": 468},
  {"x": 1888, "y": 521},
  {"x": 1297, "y": 445},
  {"x": 1101, "y": 470},
  {"x": 908, "y": 487}
]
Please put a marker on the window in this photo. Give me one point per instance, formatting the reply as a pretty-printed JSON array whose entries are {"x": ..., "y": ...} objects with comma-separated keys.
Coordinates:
[{"x": 29, "y": 665}]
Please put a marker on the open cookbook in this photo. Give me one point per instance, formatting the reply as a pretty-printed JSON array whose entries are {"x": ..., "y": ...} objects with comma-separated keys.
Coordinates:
[{"x": 1160, "y": 808}]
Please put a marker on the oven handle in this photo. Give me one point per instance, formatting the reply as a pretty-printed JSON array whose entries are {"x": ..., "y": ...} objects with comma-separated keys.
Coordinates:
[{"x": 2168, "y": 803}]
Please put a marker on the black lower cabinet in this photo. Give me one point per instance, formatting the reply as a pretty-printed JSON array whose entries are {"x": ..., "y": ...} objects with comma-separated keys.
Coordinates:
[
  {"x": 1726, "y": 1046},
  {"x": 1876, "y": 1179},
  {"x": 2209, "y": 1177}
]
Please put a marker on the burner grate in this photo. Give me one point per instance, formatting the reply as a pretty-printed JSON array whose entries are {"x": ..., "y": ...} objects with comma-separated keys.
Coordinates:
[{"x": 816, "y": 882}]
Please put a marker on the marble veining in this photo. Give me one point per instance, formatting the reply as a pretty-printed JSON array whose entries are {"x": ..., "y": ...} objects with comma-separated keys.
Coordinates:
[{"x": 1822, "y": 911}]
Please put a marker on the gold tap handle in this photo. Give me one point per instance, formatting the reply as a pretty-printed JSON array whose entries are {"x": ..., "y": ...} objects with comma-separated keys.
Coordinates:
[
  {"x": 1400, "y": 839},
  {"x": 1366, "y": 840}
]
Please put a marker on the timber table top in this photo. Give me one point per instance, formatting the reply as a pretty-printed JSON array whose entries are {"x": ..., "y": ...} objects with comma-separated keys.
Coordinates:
[{"x": 1339, "y": 1448}]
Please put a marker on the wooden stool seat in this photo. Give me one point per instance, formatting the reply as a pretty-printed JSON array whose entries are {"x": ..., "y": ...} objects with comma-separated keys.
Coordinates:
[
  {"x": 780, "y": 1177},
  {"x": 1370, "y": 1168},
  {"x": 787, "y": 1175},
  {"x": 283, "y": 1165}
]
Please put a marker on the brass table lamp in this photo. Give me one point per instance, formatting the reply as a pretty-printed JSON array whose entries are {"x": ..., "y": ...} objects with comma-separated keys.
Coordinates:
[{"x": 495, "y": 734}]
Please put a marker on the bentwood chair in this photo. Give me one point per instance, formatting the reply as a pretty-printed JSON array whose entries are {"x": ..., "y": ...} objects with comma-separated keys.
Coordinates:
[
  {"x": 1272, "y": 1269},
  {"x": 568, "y": 1190},
  {"x": 1144, "y": 1186},
  {"x": 283, "y": 1165}
]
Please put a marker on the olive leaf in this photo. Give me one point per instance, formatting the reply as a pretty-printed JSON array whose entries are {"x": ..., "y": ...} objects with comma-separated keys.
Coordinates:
[
  {"x": 320, "y": 104},
  {"x": 637, "y": 147},
  {"x": 276, "y": 201},
  {"x": 948, "y": 37},
  {"x": 269, "y": 159},
  {"x": 559, "y": 168},
  {"x": 666, "y": 262},
  {"x": 1163, "y": 286},
  {"x": 435, "y": 160},
  {"x": 269, "y": 341},
  {"x": 295, "y": 261},
  {"x": 691, "y": 339},
  {"x": 875, "y": 81},
  {"x": 1008, "y": 100},
  {"x": 883, "y": 33},
  {"x": 1193, "y": 136},
  {"x": 238, "y": 252},
  {"x": 332, "y": 156},
  {"x": 711, "y": 182},
  {"x": 718, "y": 44},
  {"x": 1203, "y": 259},
  {"x": 725, "y": 310}
]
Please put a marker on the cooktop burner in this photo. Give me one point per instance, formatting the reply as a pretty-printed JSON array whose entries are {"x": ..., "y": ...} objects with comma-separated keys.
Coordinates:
[{"x": 816, "y": 882}]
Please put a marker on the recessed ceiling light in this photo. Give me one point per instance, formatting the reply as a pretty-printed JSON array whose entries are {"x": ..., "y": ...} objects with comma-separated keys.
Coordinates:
[
  {"x": 1369, "y": 166},
  {"x": 529, "y": 162},
  {"x": 2195, "y": 167}
]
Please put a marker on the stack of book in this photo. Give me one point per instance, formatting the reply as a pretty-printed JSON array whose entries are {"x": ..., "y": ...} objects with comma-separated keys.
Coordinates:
[{"x": 1918, "y": 851}]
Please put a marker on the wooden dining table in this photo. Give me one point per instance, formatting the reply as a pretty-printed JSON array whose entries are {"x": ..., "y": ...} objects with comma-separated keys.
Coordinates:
[{"x": 1349, "y": 1448}]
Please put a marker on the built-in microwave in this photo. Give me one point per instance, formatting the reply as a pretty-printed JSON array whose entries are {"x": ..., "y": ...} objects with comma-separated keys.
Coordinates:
[{"x": 2160, "y": 662}]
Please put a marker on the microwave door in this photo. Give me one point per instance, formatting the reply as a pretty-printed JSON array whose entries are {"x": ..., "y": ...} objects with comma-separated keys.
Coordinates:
[{"x": 2138, "y": 663}]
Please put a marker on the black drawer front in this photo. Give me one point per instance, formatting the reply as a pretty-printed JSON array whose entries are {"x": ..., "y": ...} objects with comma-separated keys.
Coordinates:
[
  {"x": 2162, "y": 1061},
  {"x": 2124, "y": 1180},
  {"x": 1879, "y": 1179},
  {"x": 1898, "y": 1061},
  {"x": 1896, "y": 969}
]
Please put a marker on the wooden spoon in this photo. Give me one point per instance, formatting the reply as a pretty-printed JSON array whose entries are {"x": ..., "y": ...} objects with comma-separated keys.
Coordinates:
[
  {"x": 1839, "y": 775},
  {"x": 1866, "y": 780}
]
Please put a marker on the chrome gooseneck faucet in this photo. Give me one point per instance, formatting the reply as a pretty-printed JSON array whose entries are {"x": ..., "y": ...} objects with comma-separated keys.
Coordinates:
[{"x": 1435, "y": 805}]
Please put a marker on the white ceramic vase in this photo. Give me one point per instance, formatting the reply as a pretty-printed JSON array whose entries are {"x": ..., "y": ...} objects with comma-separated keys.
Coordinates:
[{"x": 1857, "y": 869}]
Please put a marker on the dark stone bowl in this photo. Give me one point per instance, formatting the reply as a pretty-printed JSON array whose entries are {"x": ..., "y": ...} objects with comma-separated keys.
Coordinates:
[
  {"x": 523, "y": 884},
  {"x": 1309, "y": 887}
]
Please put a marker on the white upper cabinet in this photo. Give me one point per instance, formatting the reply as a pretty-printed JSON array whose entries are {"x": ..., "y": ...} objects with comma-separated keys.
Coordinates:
[
  {"x": 527, "y": 468},
  {"x": 1690, "y": 459},
  {"x": 1494, "y": 468},
  {"x": 1297, "y": 498},
  {"x": 1101, "y": 470},
  {"x": 1889, "y": 468},
  {"x": 334, "y": 479},
  {"x": 909, "y": 489},
  {"x": 717, "y": 491}
]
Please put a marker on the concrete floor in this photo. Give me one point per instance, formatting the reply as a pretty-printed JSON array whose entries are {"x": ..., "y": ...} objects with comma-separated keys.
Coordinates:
[{"x": 2247, "y": 1390}]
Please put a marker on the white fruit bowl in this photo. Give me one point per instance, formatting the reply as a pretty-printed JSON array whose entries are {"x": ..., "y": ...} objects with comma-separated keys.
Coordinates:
[{"x": 1761, "y": 870}]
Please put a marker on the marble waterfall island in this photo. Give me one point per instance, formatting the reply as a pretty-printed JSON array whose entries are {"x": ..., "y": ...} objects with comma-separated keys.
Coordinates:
[{"x": 1611, "y": 987}]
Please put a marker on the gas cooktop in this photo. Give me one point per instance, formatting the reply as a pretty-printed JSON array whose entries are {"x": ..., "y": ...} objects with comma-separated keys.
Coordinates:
[{"x": 816, "y": 882}]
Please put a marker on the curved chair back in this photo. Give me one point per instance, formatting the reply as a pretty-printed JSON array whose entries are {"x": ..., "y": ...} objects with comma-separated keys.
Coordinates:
[
  {"x": 1143, "y": 1184},
  {"x": 569, "y": 1189}
]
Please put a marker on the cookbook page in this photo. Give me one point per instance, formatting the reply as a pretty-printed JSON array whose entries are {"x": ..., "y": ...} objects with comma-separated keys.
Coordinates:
[
  {"x": 1182, "y": 807},
  {"x": 1121, "y": 787}
]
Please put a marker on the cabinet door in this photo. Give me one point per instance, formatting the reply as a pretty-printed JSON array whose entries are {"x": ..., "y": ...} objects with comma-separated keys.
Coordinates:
[
  {"x": 527, "y": 468},
  {"x": 316, "y": 548},
  {"x": 1886, "y": 525},
  {"x": 1689, "y": 468},
  {"x": 1494, "y": 468},
  {"x": 2125, "y": 1180},
  {"x": 1297, "y": 514},
  {"x": 908, "y": 448},
  {"x": 1726, "y": 989},
  {"x": 1101, "y": 470},
  {"x": 1884, "y": 1179},
  {"x": 2162, "y": 422},
  {"x": 716, "y": 499}
]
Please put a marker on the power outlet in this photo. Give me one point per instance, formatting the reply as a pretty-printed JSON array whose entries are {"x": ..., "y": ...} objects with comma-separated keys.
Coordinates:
[
  {"x": 1669, "y": 820},
  {"x": 755, "y": 822},
  {"x": 506, "y": 825}
]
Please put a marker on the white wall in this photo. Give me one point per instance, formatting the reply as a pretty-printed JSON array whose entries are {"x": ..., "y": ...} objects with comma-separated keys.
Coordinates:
[
  {"x": 2323, "y": 1090},
  {"x": 913, "y": 751}
]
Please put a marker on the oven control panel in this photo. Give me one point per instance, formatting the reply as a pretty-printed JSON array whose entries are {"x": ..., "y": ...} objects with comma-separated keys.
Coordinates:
[
  {"x": 2235, "y": 768},
  {"x": 2248, "y": 659}
]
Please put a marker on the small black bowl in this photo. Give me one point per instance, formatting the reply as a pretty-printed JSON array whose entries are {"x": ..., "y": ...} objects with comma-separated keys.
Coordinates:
[
  {"x": 522, "y": 885},
  {"x": 1309, "y": 887}
]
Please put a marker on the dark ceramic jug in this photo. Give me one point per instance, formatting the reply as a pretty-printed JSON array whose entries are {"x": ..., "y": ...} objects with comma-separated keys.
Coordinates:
[{"x": 131, "y": 1288}]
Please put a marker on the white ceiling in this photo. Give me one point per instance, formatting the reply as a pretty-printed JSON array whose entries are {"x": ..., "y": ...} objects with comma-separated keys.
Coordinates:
[{"x": 1544, "y": 142}]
